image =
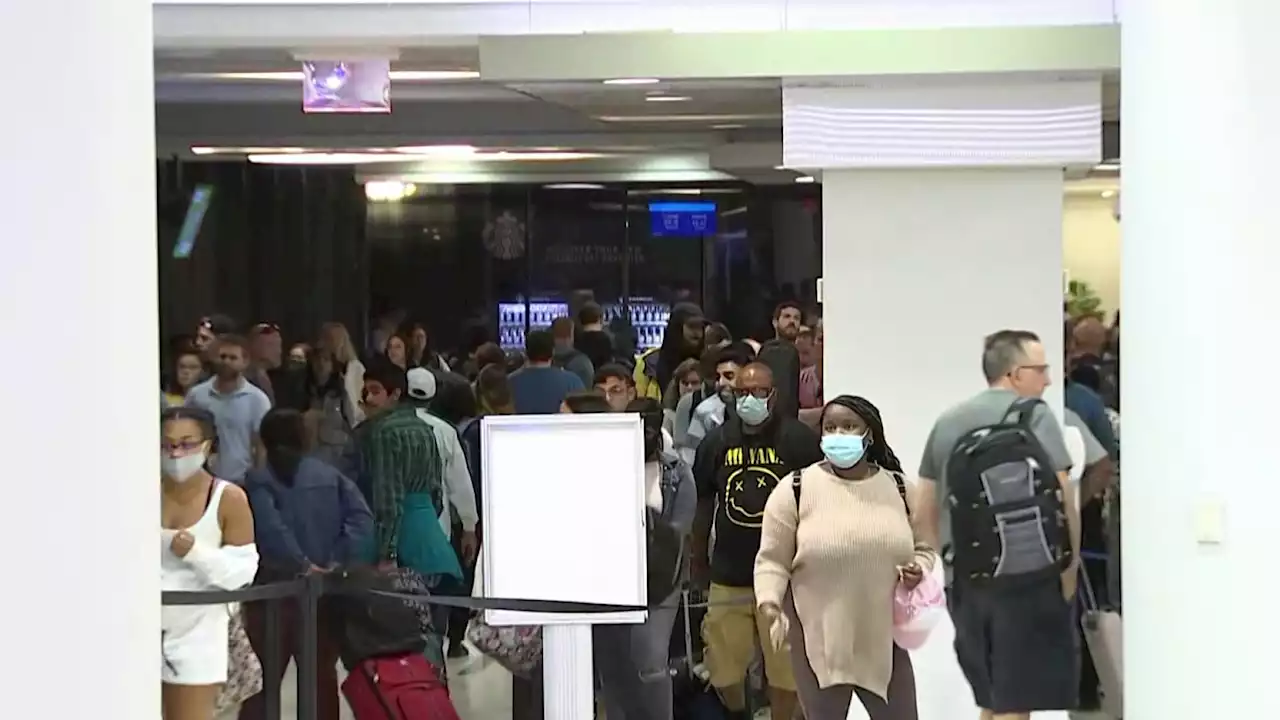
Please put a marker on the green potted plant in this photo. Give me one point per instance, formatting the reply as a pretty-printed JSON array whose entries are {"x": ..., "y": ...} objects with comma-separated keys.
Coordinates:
[{"x": 1082, "y": 301}]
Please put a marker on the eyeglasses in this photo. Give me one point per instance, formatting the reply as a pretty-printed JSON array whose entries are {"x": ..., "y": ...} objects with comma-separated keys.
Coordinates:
[
  {"x": 761, "y": 393},
  {"x": 185, "y": 446}
]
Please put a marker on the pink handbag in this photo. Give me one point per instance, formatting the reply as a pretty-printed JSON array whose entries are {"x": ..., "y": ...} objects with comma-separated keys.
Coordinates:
[{"x": 917, "y": 610}]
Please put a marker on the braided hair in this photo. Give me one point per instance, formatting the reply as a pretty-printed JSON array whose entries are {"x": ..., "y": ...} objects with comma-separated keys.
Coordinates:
[{"x": 878, "y": 451}]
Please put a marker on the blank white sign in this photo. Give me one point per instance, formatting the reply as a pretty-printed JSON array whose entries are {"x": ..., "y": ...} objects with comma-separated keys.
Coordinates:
[{"x": 564, "y": 514}]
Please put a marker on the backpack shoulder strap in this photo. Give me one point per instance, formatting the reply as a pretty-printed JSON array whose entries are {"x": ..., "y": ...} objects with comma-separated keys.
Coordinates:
[
  {"x": 795, "y": 487},
  {"x": 901, "y": 481},
  {"x": 1022, "y": 410}
]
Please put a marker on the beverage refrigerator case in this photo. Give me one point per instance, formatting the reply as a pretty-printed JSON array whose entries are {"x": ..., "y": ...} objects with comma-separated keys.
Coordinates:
[
  {"x": 512, "y": 319},
  {"x": 648, "y": 318}
]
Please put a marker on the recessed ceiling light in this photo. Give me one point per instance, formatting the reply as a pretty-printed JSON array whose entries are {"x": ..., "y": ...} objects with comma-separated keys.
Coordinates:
[
  {"x": 1108, "y": 193},
  {"x": 804, "y": 179},
  {"x": 667, "y": 98},
  {"x": 632, "y": 81}
]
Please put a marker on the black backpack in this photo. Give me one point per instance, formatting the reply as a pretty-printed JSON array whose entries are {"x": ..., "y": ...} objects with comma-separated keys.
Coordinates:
[
  {"x": 370, "y": 625},
  {"x": 784, "y": 360},
  {"x": 1008, "y": 522}
]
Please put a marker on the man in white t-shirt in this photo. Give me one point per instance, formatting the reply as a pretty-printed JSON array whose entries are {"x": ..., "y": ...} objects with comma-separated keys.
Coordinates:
[{"x": 459, "y": 492}]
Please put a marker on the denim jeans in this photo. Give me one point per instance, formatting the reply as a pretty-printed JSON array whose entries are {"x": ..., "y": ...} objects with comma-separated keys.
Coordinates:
[{"x": 632, "y": 664}]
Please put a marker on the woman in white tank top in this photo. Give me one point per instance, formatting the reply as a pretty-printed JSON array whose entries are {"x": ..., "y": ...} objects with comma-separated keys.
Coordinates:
[{"x": 206, "y": 543}]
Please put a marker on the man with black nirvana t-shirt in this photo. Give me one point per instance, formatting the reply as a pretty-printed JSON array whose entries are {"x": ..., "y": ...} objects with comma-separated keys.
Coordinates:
[{"x": 736, "y": 468}]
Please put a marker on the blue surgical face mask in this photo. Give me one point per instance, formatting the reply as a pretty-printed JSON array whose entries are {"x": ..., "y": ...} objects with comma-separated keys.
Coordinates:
[
  {"x": 843, "y": 450},
  {"x": 753, "y": 410}
]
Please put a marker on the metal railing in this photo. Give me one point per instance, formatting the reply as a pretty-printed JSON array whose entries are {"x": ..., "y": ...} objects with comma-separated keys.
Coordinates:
[{"x": 307, "y": 590}]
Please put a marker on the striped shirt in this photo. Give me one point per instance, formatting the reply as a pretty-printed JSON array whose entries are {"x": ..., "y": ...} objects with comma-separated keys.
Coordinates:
[{"x": 398, "y": 457}]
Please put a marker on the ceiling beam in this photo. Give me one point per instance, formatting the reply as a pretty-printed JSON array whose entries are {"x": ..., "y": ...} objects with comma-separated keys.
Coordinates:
[{"x": 811, "y": 53}]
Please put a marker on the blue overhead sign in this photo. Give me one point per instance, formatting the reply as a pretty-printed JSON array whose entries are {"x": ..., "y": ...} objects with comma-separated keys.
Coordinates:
[{"x": 682, "y": 219}]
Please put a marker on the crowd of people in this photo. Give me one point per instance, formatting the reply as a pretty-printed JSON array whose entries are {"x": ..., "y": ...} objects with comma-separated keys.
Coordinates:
[{"x": 277, "y": 463}]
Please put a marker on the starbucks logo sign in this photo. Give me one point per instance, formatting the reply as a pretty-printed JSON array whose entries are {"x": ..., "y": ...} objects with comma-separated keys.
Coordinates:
[{"x": 504, "y": 236}]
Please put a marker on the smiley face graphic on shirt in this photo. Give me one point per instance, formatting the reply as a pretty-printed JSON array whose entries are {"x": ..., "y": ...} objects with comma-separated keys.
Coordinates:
[{"x": 749, "y": 484}]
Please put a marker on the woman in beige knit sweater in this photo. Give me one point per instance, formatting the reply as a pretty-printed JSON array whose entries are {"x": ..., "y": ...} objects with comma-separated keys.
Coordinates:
[{"x": 830, "y": 558}]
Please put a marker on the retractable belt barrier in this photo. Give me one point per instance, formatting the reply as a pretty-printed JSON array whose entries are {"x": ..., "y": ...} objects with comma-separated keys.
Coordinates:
[{"x": 307, "y": 590}]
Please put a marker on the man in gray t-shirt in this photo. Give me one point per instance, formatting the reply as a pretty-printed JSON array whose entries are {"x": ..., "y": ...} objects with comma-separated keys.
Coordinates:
[{"x": 1017, "y": 648}]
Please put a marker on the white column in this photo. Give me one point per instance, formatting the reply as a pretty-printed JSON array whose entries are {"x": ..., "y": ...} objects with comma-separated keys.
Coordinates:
[
  {"x": 942, "y": 223},
  {"x": 79, "y": 369},
  {"x": 918, "y": 267},
  {"x": 1201, "y": 259}
]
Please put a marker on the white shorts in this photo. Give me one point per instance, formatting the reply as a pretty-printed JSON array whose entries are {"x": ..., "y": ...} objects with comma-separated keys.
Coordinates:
[{"x": 193, "y": 648}]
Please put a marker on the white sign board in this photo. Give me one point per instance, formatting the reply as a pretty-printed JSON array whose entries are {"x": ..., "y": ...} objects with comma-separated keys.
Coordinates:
[{"x": 564, "y": 514}]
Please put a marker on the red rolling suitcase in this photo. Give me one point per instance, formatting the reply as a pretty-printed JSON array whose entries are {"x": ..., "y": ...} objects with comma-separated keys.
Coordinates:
[{"x": 400, "y": 687}]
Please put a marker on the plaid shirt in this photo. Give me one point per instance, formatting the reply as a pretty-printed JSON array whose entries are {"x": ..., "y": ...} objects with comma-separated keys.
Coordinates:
[{"x": 398, "y": 457}]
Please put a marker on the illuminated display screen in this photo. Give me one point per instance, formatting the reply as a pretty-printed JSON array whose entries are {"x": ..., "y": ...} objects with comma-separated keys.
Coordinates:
[{"x": 682, "y": 219}]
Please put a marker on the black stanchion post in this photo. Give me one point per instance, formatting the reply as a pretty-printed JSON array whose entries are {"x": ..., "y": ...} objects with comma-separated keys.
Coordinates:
[
  {"x": 308, "y": 612},
  {"x": 272, "y": 658}
]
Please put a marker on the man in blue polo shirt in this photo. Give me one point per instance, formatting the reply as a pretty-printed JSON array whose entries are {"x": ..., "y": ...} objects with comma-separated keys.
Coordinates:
[{"x": 237, "y": 406}]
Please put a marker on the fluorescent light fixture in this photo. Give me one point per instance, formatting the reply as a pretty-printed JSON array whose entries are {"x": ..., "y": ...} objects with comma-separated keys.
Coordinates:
[
  {"x": 805, "y": 179},
  {"x": 573, "y": 186},
  {"x": 199, "y": 150},
  {"x": 437, "y": 150},
  {"x": 518, "y": 156},
  {"x": 323, "y": 158},
  {"x": 632, "y": 81},
  {"x": 1109, "y": 166},
  {"x": 369, "y": 157},
  {"x": 297, "y": 75},
  {"x": 668, "y": 98},
  {"x": 728, "y": 126},
  {"x": 1108, "y": 194},
  {"x": 722, "y": 119}
]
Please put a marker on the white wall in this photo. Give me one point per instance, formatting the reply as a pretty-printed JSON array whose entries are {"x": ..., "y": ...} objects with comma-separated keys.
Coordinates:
[
  {"x": 1091, "y": 245},
  {"x": 1200, "y": 259},
  {"x": 80, "y": 533}
]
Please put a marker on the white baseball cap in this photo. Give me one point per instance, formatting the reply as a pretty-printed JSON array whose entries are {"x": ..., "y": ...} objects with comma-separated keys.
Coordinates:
[{"x": 422, "y": 383}]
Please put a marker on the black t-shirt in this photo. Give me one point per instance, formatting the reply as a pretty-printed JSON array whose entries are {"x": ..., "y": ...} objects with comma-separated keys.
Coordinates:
[{"x": 740, "y": 470}]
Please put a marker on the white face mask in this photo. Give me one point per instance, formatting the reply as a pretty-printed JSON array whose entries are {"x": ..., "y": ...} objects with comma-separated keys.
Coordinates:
[{"x": 181, "y": 469}]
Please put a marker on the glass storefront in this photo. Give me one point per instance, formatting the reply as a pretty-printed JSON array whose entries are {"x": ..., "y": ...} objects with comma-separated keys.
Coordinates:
[
  {"x": 303, "y": 246},
  {"x": 509, "y": 257}
]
